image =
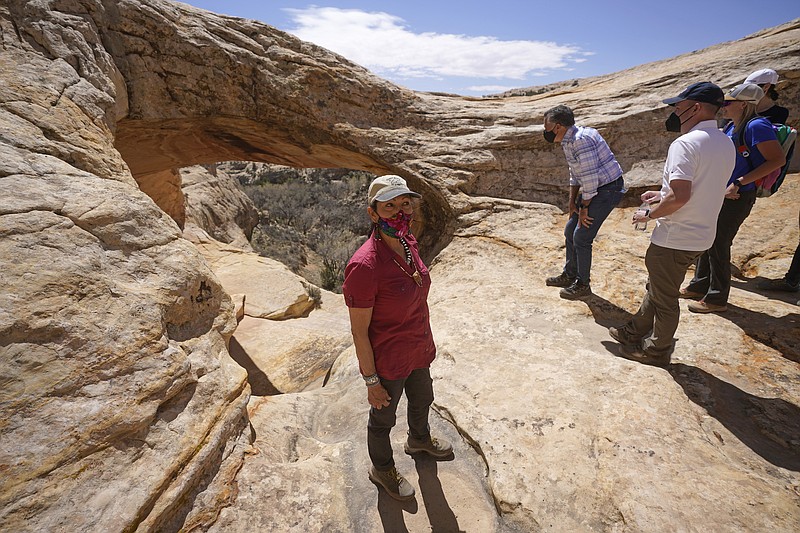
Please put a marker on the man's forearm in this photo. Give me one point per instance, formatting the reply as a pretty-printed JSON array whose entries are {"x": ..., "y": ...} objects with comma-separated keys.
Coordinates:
[
  {"x": 668, "y": 205},
  {"x": 573, "y": 193}
]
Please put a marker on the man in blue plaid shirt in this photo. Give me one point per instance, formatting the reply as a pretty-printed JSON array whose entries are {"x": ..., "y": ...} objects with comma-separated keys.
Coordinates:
[{"x": 595, "y": 188}]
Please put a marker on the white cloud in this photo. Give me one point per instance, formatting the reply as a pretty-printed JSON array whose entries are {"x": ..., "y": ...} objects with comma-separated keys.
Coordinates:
[
  {"x": 382, "y": 43},
  {"x": 490, "y": 89}
]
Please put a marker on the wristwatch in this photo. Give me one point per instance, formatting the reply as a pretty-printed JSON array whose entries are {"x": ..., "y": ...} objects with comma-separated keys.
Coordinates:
[
  {"x": 371, "y": 380},
  {"x": 738, "y": 182}
]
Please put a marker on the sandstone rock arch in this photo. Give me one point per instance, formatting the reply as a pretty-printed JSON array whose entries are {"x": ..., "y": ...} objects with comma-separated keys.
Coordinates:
[
  {"x": 230, "y": 89},
  {"x": 268, "y": 98}
]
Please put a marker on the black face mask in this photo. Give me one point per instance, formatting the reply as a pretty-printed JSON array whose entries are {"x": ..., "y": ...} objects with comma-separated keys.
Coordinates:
[
  {"x": 549, "y": 136},
  {"x": 674, "y": 122}
]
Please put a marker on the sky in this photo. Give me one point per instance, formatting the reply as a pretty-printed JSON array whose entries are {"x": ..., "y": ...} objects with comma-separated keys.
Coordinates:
[{"x": 478, "y": 48}]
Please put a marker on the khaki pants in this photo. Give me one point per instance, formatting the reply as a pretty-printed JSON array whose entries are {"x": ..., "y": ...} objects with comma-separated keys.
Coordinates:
[{"x": 660, "y": 311}]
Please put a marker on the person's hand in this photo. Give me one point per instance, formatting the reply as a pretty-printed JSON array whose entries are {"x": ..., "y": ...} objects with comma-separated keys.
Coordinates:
[
  {"x": 573, "y": 208},
  {"x": 640, "y": 215},
  {"x": 377, "y": 396},
  {"x": 584, "y": 219},
  {"x": 651, "y": 197},
  {"x": 732, "y": 192}
]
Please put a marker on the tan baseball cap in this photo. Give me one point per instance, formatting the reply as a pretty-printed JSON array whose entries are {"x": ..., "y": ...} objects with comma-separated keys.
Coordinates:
[
  {"x": 385, "y": 188},
  {"x": 746, "y": 92}
]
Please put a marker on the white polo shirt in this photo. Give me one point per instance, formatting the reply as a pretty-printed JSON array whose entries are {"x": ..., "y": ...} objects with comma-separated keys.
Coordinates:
[{"x": 706, "y": 157}]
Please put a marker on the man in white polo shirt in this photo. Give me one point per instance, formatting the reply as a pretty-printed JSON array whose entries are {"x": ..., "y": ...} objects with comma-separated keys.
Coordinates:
[{"x": 696, "y": 173}]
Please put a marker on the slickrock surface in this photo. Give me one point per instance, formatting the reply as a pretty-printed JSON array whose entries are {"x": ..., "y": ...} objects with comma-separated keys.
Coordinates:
[
  {"x": 549, "y": 426},
  {"x": 590, "y": 441},
  {"x": 130, "y": 401}
]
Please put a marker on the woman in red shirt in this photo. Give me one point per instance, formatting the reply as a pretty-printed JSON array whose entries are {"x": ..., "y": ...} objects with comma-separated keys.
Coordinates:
[{"x": 386, "y": 288}]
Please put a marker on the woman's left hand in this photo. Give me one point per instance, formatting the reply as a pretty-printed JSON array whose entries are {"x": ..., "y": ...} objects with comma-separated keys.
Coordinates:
[
  {"x": 377, "y": 396},
  {"x": 732, "y": 192}
]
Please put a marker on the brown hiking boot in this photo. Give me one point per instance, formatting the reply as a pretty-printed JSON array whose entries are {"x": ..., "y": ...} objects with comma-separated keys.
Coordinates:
[
  {"x": 437, "y": 448},
  {"x": 704, "y": 307},
  {"x": 393, "y": 483},
  {"x": 623, "y": 337},
  {"x": 684, "y": 293},
  {"x": 635, "y": 353}
]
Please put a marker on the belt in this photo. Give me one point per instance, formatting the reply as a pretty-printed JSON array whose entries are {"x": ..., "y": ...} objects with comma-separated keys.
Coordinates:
[{"x": 610, "y": 182}]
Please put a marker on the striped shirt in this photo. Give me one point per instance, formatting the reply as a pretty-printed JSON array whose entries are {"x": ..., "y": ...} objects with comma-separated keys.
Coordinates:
[{"x": 591, "y": 162}]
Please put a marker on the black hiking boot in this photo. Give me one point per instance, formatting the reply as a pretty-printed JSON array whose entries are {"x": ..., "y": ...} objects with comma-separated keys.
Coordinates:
[
  {"x": 578, "y": 290},
  {"x": 562, "y": 280}
]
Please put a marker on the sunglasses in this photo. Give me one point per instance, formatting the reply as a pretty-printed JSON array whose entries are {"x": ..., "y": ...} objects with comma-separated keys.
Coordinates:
[{"x": 726, "y": 103}]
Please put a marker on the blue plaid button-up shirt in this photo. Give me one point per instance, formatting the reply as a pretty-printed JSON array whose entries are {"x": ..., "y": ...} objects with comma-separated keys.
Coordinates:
[{"x": 591, "y": 162}]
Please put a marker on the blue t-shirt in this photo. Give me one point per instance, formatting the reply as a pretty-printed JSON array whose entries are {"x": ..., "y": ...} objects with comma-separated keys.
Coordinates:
[{"x": 757, "y": 131}]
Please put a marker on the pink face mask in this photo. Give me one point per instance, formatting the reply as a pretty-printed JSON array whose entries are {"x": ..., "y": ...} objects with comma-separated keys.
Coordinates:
[{"x": 396, "y": 227}]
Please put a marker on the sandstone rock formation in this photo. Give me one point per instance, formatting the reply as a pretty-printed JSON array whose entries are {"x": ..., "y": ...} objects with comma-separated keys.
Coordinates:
[
  {"x": 125, "y": 403},
  {"x": 215, "y": 204}
]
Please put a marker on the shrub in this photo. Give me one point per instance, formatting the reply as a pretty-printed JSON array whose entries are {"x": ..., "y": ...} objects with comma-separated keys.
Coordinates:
[{"x": 322, "y": 211}]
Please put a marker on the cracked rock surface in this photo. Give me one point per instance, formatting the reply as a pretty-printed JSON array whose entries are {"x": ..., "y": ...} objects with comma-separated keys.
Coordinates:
[{"x": 551, "y": 429}]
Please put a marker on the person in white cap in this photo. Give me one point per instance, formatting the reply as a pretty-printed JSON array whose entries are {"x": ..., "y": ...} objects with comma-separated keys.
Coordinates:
[
  {"x": 386, "y": 288},
  {"x": 758, "y": 153},
  {"x": 766, "y": 78}
]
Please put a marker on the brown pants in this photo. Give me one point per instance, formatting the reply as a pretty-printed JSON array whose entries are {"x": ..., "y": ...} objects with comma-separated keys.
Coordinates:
[{"x": 660, "y": 311}]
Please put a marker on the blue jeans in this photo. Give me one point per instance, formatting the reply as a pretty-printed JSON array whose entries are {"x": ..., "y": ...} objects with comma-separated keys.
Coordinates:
[{"x": 579, "y": 239}]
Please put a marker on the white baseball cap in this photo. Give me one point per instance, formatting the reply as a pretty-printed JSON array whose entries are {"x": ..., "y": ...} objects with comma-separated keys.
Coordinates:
[{"x": 760, "y": 77}]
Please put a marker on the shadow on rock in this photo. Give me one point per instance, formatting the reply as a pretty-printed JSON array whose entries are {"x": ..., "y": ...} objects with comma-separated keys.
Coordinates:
[
  {"x": 768, "y": 426},
  {"x": 260, "y": 385},
  {"x": 391, "y": 512},
  {"x": 751, "y": 285},
  {"x": 606, "y": 313},
  {"x": 441, "y": 516},
  {"x": 779, "y": 333}
]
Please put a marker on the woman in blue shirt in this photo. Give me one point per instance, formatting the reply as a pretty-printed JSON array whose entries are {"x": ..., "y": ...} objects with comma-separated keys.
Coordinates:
[{"x": 757, "y": 154}]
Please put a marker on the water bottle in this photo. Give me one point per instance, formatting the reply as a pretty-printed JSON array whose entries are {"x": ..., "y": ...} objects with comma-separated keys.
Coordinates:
[{"x": 641, "y": 226}]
